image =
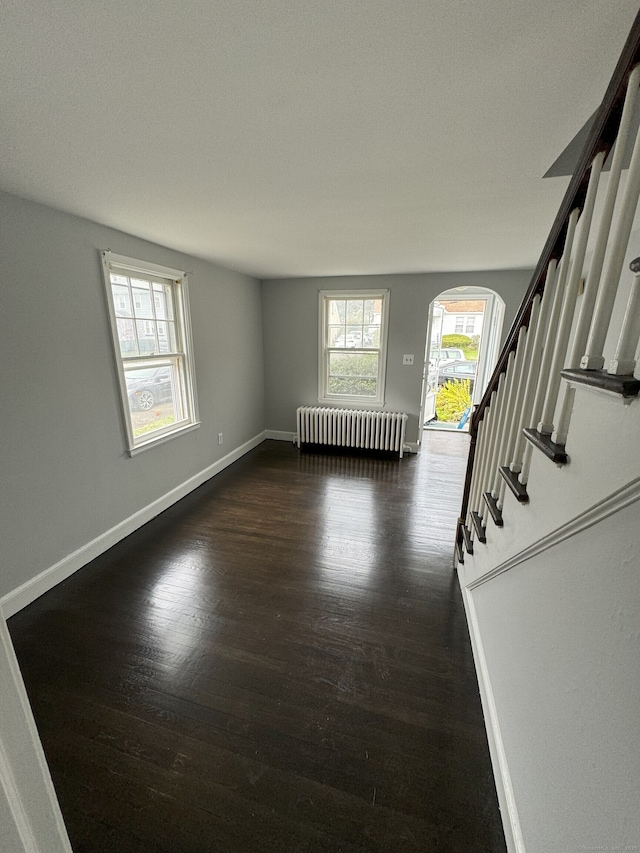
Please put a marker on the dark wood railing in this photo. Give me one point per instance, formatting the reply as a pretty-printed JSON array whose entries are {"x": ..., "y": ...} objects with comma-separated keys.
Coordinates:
[{"x": 601, "y": 137}]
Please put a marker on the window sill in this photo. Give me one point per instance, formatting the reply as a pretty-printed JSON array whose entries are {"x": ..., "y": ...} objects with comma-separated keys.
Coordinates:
[
  {"x": 350, "y": 402},
  {"x": 161, "y": 439}
]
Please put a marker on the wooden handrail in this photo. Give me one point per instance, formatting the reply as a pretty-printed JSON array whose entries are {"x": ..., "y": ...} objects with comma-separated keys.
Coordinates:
[{"x": 601, "y": 137}]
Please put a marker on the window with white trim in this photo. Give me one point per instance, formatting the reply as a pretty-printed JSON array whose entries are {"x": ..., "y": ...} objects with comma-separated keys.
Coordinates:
[
  {"x": 470, "y": 324},
  {"x": 149, "y": 312},
  {"x": 353, "y": 346}
]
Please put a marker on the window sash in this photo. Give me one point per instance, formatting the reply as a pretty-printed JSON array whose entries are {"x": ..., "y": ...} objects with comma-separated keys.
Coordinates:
[
  {"x": 171, "y": 399},
  {"x": 361, "y": 333}
]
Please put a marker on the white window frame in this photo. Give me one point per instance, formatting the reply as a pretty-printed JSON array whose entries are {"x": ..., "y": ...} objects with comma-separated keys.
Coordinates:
[
  {"x": 324, "y": 349},
  {"x": 112, "y": 262}
]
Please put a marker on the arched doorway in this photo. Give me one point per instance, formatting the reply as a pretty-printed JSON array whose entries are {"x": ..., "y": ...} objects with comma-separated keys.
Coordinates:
[{"x": 462, "y": 345}]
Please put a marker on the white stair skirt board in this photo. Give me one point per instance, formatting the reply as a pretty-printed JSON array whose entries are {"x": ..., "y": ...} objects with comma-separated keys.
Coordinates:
[
  {"x": 46, "y": 580},
  {"x": 504, "y": 789},
  {"x": 32, "y": 821}
]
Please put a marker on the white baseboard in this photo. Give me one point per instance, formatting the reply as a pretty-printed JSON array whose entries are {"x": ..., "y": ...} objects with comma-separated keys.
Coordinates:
[
  {"x": 23, "y": 595},
  {"x": 280, "y": 435},
  {"x": 504, "y": 788}
]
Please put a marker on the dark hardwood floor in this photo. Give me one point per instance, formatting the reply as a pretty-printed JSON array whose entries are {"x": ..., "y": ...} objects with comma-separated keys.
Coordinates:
[{"x": 280, "y": 662}]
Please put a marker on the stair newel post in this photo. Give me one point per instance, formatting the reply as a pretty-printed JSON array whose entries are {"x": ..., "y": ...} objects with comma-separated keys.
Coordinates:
[
  {"x": 569, "y": 303},
  {"x": 624, "y": 360},
  {"x": 509, "y": 413},
  {"x": 593, "y": 358}
]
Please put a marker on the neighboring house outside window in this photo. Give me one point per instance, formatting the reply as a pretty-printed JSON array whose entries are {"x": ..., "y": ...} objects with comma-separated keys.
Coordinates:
[
  {"x": 462, "y": 316},
  {"x": 353, "y": 342},
  {"x": 149, "y": 312}
]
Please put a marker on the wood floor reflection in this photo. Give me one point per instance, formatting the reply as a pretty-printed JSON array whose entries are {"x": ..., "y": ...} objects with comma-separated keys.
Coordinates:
[{"x": 280, "y": 662}]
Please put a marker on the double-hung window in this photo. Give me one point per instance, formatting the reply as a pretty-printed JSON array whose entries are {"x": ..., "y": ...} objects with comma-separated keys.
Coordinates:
[
  {"x": 149, "y": 311},
  {"x": 353, "y": 346}
]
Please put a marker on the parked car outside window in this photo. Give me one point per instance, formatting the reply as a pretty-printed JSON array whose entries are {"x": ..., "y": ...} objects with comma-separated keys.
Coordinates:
[
  {"x": 149, "y": 387},
  {"x": 458, "y": 370}
]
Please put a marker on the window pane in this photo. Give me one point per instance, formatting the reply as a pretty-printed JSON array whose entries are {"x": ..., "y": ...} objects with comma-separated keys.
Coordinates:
[
  {"x": 121, "y": 300},
  {"x": 371, "y": 336},
  {"x": 353, "y": 337},
  {"x": 337, "y": 336},
  {"x": 353, "y": 374},
  {"x": 167, "y": 337},
  {"x": 154, "y": 397},
  {"x": 337, "y": 312},
  {"x": 373, "y": 312},
  {"x": 163, "y": 302},
  {"x": 127, "y": 337},
  {"x": 141, "y": 298},
  {"x": 146, "y": 336},
  {"x": 354, "y": 312}
]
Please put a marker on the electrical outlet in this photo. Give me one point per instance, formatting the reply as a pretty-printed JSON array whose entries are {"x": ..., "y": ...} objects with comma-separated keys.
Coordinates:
[
  {"x": 219, "y": 438},
  {"x": 407, "y": 359}
]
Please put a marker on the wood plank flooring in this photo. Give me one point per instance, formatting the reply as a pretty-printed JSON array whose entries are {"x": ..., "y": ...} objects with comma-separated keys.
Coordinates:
[{"x": 280, "y": 662}]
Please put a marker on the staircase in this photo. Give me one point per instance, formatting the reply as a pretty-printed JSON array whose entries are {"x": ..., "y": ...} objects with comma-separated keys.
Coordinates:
[{"x": 547, "y": 543}]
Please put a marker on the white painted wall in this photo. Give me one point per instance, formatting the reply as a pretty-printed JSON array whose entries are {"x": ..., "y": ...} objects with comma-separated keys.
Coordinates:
[
  {"x": 66, "y": 477},
  {"x": 290, "y": 317},
  {"x": 559, "y": 634}
]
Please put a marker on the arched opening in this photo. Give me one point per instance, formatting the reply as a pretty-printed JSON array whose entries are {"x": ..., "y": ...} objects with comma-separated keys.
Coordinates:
[{"x": 463, "y": 342}]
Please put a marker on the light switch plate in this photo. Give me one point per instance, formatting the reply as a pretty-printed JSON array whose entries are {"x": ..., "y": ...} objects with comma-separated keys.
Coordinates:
[{"x": 407, "y": 359}]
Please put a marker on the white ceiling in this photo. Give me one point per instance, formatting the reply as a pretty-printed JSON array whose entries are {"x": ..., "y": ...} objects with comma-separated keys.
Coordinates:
[{"x": 306, "y": 137}]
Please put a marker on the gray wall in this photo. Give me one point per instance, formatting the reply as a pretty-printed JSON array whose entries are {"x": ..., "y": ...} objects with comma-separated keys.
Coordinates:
[
  {"x": 290, "y": 313},
  {"x": 65, "y": 475}
]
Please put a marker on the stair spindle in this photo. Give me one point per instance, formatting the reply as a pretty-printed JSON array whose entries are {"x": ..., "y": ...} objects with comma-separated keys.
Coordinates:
[
  {"x": 534, "y": 366},
  {"x": 569, "y": 303},
  {"x": 509, "y": 414},
  {"x": 624, "y": 360},
  {"x": 495, "y": 432},
  {"x": 593, "y": 359}
]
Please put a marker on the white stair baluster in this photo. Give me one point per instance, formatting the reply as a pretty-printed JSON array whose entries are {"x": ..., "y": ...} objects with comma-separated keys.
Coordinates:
[
  {"x": 503, "y": 389},
  {"x": 516, "y": 422},
  {"x": 534, "y": 366},
  {"x": 570, "y": 297},
  {"x": 509, "y": 411},
  {"x": 624, "y": 361},
  {"x": 593, "y": 358},
  {"x": 479, "y": 505},
  {"x": 475, "y": 486},
  {"x": 495, "y": 434},
  {"x": 554, "y": 318}
]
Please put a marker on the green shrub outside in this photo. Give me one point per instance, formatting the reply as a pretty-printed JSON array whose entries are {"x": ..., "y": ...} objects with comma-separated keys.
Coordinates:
[
  {"x": 359, "y": 374},
  {"x": 453, "y": 399},
  {"x": 469, "y": 346}
]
